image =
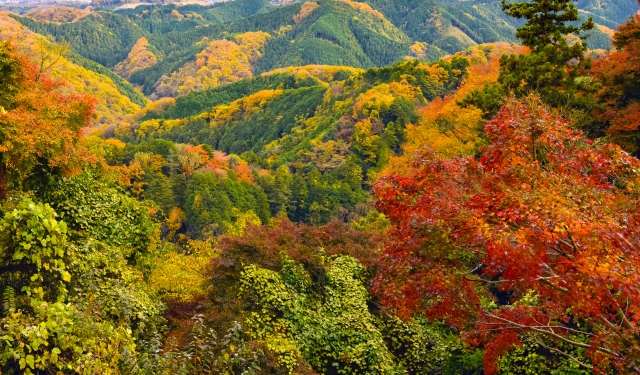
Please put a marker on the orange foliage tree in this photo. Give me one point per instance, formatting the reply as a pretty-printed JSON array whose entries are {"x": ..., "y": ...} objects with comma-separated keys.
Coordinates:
[
  {"x": 305, "y": 11},
  {"x": 446, "y": 127},
  {"x": 39, "y": 125},
  {"x": 537, "y": 238},
  {"x": 620, "y": 93}
]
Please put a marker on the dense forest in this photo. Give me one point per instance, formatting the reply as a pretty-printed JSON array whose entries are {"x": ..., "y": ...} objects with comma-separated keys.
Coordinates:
[{"x": 320, "y": 187}]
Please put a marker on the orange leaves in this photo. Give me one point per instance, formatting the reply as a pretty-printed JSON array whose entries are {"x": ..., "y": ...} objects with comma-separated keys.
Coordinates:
[
  {"x": 131, "y": 177},
  {"x": 58, "y": 14},
  {"x": 445, "y": 127},
  {"x": 39, "y": 126},
  {"x": 543, "y": 211},
  {"x": 619, "y": 74},
  {"x": 306, "y": 10},
  {"x": 111, "y": 105},
  {"x": 175, "y": 220}
]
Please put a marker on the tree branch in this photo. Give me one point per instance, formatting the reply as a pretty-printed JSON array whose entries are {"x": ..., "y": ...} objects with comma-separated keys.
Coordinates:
[
  {"x": 574, "y": 359},
  {"x": 552, "y": 334}
]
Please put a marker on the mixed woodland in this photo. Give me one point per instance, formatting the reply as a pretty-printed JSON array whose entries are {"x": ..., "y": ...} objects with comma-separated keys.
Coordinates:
[{"x": 320, "y": 187}]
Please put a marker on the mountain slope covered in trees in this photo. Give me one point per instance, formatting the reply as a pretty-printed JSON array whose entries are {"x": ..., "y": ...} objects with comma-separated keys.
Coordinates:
[
  {"x": 346, "y": 33},
  {"x": 333, "y": 32},
  {"x": 473, "y": 214},
  {"x": 116, "y": 98}
]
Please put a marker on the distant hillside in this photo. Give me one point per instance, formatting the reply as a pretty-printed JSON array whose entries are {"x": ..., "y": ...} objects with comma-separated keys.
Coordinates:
[
  {"x": 341, "y": 33},
  {"x": 337, "y": 33},
  {"x": 170, "y": 50},
  {"x": 454, "y": 25},
  {"x": 116, "y": 98}
]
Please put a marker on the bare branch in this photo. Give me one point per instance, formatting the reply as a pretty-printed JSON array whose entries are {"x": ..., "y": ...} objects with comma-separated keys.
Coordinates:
[
  {"x": 574, "y": 359},
  {"x": 549, "y": 333}
]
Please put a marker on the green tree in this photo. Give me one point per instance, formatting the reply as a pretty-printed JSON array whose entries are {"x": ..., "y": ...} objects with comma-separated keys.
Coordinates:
[
  {"x": 11, "y": 75},
  {"x": 552, "y": 67},
  {"x": 160, "y": 191},
  {"x": 41, "y": 331}
]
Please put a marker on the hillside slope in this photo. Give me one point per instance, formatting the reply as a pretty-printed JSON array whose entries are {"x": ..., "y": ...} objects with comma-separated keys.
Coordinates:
[
  {"x": 325, "y": 33},
  {"x": 116, "y": 98},
  {"x": 454, "y": 25},
  {"x": 195, "y": 47}
]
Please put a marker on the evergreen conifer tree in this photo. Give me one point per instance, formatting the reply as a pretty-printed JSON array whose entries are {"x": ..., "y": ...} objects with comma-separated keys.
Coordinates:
[{"x": 552, "y": 67}]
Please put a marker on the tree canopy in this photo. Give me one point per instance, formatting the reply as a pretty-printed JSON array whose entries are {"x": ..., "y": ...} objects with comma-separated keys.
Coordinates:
[{"x": 534, "y": 241}]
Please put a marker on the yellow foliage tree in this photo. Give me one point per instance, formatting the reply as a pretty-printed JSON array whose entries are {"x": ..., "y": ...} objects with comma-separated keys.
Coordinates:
[
  {"x": 139, "y": 58},
  {"x": 306, "y": 10},
  {"x": 221, "y": 62},
  {"x": 183, "y": 277}
]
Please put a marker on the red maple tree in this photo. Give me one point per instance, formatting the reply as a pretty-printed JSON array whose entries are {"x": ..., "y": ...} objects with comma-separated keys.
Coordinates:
[
  {"x": 40, "y": 124},
  {"x": 619, "y": 74},
  {"x": 538, "y": 236}
]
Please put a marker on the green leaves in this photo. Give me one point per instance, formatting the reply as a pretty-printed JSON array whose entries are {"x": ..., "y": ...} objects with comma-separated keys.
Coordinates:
[
  {"x": 95, "y": 210},
  {"x": 553, "y": 65},
  {"x": 35, "y": 240},
  {"x": 330, "y": 330}
]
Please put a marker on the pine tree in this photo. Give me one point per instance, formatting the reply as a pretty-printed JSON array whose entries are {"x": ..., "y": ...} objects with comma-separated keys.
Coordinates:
[{"x": 552, "y": 66}]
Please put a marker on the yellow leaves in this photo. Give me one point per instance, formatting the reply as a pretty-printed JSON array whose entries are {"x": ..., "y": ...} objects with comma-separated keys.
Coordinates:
[
  {"x": 175, "y": 219},
  {"x": 114, "y": 143},
  {"x": 112, "y": 107},
  {"x": 139, "y": 58},
  {"x": 444, "y": 126},
  {"x": 159, "y": 105},
  {"x": 148, "y": 127},
  {"x": 183, "y": 277},
  {"x": 306, "y": 10},
  {"x": 156, "y": 127},
  {"x": 325, "y": 73},
  {"x": 255, "y": 102},
  {"x": 252, "y": 103},
  {"x": 381, "y": 97},
  {"x": 221, "y": 62},
  {"x": 251, "y": 44},
  {"x": 364, "y": 8},
  {"x": 373, "y": 101},
  {"x": 365, "y": 142},
  {"x": 419, "y": 49},
  {"x": 243, "y": 220}
]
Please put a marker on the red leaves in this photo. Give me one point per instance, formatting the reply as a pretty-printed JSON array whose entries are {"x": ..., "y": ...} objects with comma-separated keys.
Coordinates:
[
  {"x": 40, "y": 126},
  {"x": 542, "y": 212},
  {"x": 619, "y": 74}
]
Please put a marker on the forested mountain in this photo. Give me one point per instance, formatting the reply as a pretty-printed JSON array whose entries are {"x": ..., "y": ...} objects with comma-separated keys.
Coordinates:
[
  {"x": 330, "y": 32},
  {"x": 116, "y": 98},
  {"x": 333, "y": 127},
  {"x": 455, "y": 25},
  {"x": 346, "y": 33},
  {"x": 320, "y": 187}
]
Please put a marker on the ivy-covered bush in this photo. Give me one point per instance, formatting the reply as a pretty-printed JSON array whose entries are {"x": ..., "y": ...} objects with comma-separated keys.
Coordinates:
[
  {"x": 334, "y": 331},
  {"x": 41, "y": 332},
  {"x": 93, "y": 209}
]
